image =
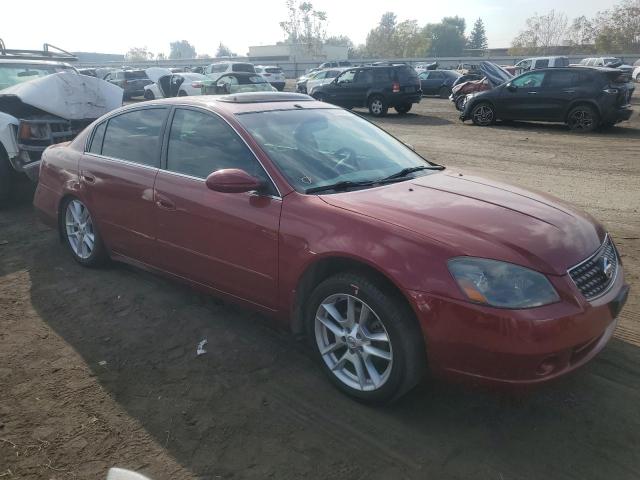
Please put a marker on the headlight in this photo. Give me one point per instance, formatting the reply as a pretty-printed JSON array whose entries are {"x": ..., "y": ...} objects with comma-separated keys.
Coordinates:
[
  {"x": 501, "y": 284},
  {"x": 34, "y": 130}
]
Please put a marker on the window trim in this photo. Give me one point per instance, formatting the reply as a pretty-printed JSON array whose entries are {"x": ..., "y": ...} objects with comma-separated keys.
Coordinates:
[
  {"x": 117, "y": 114},
  {"x": 165, "y": 146}
]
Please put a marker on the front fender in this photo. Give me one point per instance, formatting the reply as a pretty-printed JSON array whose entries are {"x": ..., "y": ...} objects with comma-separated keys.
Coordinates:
[{"x": 8, "y": 127}]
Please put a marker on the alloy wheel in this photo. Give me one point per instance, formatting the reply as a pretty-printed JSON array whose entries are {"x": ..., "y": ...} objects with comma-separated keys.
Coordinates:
[
  {"x": 581, "y": 120},
  {"x": 79, "y": 229},
  {"x": 483, "y": 115},
  {"x": 353, "y": 342},
  {"x": 376, "y": 106}
]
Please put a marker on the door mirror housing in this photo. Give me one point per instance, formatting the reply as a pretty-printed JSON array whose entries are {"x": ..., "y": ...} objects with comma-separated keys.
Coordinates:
[
  {"x": 511, "y": 87},
  {"x": 232, "y": 180}
]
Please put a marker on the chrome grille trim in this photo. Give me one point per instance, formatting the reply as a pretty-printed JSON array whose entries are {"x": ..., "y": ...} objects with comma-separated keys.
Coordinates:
[{"x": 589, "y": 274}]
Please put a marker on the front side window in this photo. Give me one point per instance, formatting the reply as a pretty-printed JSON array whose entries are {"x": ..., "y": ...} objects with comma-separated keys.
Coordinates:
[
  {"x": 314, "y": 148},
  {"x": 201, "y": 143},
  {"x": 135, "y": 136},
  {"x": 529, "y": 80},
  {"x": 542, "y": 63},
  {"x": 347, "y": 77}
]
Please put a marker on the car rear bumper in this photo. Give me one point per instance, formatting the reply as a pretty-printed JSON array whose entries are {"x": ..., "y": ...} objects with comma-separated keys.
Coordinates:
[
  {"x": 489, "y": 346},
  {"x": 404, "y": 98}
]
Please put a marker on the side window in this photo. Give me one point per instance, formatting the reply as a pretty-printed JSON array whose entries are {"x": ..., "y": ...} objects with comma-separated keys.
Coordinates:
[
  {"x": 529, "y": 80},
  {"x": 98, "y": 137},
  {"x": 424, "y": 75},
  {"x": 542, "y": 63},
  {"x": 332, "y": 73},
  {"x": 364, "y": 77},
  {"x": 201, "y": 143},
  {"x": 347, "y": 77},
  {"x": 135, "y": 136},
  {"x": 560, "y": 79},
  {"x": 381, "y": 75},
  {"x": 436, "y": 76},
  {"x": 320, "y": 76}
]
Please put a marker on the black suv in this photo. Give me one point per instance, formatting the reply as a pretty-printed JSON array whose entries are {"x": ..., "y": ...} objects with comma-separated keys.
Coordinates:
[
  {"x": 585, "y": 98},
  {"x": 375, "y": 87},
  {"x": 131, "y": 81}
]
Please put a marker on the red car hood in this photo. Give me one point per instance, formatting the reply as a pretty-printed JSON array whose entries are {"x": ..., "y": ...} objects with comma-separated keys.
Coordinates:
[{"x": 483, "y": 218}]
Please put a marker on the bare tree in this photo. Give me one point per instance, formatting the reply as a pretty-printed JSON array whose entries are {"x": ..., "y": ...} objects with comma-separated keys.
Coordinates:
[
  {"x": 543, "y": 32},
  {"x": 305, "y": 25}
]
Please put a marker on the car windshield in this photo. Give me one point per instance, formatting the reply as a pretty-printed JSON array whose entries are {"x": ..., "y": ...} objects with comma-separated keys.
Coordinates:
[
  {"x": 12, "y": 74},
  {"x": 321, "y": 147}
]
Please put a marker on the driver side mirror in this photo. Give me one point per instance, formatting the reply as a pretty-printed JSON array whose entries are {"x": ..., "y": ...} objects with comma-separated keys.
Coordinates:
[
  {"x": 232, "y": 180},
  {"x": 511, "y": 87}
]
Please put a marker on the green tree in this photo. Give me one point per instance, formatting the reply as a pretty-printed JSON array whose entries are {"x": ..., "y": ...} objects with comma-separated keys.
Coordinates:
[
  {"x": 618, "y": 29},
  {"x": 478, "y": 36},
  {"x": 181, "y": 49},
  {"x": 446, "y": 39},
  {"x": 305, "y": 26},
  {"x": 381, "y": 40}
]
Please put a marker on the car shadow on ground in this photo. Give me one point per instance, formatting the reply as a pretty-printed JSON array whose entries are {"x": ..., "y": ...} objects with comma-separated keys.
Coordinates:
[
  {"x": 406, "y": 119},
  {"x": 621, "y": 130},
  {"x": 256, "y": 405}
]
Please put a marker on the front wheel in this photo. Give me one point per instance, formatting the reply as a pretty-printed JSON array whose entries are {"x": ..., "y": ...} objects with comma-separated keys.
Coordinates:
[
  {"x": 377, "y": 106},
  {"x": 483, "y": 115},
  {"x": 582, "y": 119},
  {"x": 403, "y": 109},
  {"x": 80, "y": 234},
  {"x": 367, "y": 341}
]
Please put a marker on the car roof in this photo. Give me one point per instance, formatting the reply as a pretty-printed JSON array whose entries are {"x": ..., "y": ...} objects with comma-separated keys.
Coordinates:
[
  {"x": 242, "y": 102},
  {"x": 574, "y": 68}
]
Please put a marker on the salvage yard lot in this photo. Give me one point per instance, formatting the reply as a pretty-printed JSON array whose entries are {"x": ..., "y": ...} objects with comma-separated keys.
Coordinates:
[{"x": 98, "y": 367}]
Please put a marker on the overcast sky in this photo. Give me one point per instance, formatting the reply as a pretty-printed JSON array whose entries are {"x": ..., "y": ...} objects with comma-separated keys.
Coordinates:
[{"x": 111, "y": 26}]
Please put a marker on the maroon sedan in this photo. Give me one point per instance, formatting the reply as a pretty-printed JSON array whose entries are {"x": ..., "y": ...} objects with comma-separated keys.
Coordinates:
[{"x": 315, "y": 216}]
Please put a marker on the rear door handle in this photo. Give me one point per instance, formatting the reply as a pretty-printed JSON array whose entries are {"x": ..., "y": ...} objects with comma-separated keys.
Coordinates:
[
  {"x": 165, "y": 203},
  {"x": 88, "y": 178}
]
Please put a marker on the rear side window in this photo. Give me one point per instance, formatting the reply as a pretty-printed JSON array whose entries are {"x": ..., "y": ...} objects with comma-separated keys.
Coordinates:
[
  {"x": 135, "y": 75},
  {"x": 98, "y": 137},
  {"x": 243, "y": 67},
  {"x": 273, "y": 70},
  {"x": 364, "y": 76},
  {"x": 543, "y": 63},
  {"x": 561, "y": 79},
  {"x": 407, "y": 75},
  {"x": 201, "y": 143},
  {"x": 562, "y": 62},
  {"x": 135, "y": 136},
  {"x": 381, "y": 75}
]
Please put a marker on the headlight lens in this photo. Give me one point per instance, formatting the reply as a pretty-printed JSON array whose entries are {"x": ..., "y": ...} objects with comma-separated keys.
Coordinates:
[
  {"x": 501, "y": 284},
  {"x": 34, "y": 130}
]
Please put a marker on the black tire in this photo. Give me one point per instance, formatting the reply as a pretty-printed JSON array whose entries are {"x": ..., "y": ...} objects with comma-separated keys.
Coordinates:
[
  {"x": 98, "y": 255},
  {"x": 459, "y": 103},
  {"x": 444, "y": 92},
  {"x": 6, "y": 178},
  {"x": 483, "y": 114},
  {"x": 319, "y": 97},
  {"x": 607, "y": 125},
  {"x": 377, "y": 106},
  {"x": 408, "y": 360},
  {"x": 403, "y": 109},
  {"x": 149, "y": 95},
  {"x": 583, "y": 119}
]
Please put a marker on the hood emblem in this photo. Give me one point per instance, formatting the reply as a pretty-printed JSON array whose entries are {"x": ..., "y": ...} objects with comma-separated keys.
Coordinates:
[{"x": 607, "y": 268}]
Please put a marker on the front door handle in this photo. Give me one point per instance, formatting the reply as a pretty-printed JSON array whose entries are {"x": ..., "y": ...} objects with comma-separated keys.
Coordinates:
[
  {"x": 88, "y": 177},
  {"x": 532, "y": 93},
  {"x": 164, "y": 203}
]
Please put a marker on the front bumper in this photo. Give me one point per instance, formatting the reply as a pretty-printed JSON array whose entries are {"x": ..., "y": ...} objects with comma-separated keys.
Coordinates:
[{"x": 490, "y": 346}]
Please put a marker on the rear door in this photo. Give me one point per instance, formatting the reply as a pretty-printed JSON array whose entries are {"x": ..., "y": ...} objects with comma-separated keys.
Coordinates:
[
  {"x": 560, "y": 89},
  {"x": 117, "y": 175},
  {"x": 227, "y": 241},
  {"x": 432, "y": 84}
]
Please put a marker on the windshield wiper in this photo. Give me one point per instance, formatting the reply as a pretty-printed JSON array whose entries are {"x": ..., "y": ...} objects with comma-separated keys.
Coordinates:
[
  {"x": 339, "y": 186},
  {"x": 406, "y": 171}
]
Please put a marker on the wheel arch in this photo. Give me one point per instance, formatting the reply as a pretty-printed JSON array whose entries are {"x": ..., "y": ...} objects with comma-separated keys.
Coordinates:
[
  {"x": 327, "y": 266},
  {"x": 577, "y": 103}
]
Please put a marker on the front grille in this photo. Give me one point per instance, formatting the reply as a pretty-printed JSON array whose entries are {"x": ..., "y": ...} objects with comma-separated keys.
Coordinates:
[{"x": 595, "y": 275}]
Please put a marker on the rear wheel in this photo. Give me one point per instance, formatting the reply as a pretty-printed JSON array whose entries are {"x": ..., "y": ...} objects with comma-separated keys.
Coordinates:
[
  {"x": 367, "y": 341},
  {"x": 582, "y": 119},
  {"x": 80, "y": 234},
  {"x": 377, "y": 106},
  {"x": 148, "y": 95},
  {"x": 444, "y": 92},
  {"x": 402, "y": 109},
  {"x": 483, "y": 115}
]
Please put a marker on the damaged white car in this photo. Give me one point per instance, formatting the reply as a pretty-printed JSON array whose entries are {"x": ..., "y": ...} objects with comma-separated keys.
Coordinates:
[{"x": 43, "y": 102}]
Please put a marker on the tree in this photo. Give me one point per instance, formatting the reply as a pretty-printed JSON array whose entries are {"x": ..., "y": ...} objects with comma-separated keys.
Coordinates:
[
  {"x": 478, "y": 37},
  {"x": 581, "y": 33},
  {"x": 138, "y": 54},
  {"x": 618, "y": 29},
  {"x": 161, "y": 56},
  {"x": 339, "y": 41},
  {"x": 380, "y": 40},
  {"x": 446, "y": 39},
  {"x": 181, "y": 49},
  {"x": 305, "y": 26},
  {"x": 543, "y": 32},
  {"x": 224, "y": 51}
]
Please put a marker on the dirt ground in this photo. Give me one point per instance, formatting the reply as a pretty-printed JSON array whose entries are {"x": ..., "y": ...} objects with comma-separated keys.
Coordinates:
[{"x": 98, "y": 367}]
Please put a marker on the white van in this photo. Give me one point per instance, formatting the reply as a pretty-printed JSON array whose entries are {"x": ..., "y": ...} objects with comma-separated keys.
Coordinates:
[
  {"x": 535, "y": 63},
  {"x": 228, "y": 67}
]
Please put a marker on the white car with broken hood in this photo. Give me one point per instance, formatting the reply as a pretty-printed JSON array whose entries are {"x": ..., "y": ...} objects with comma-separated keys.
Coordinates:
[
  {"x": 176, "y": 84},
  {"x": 43, "y": 103}
]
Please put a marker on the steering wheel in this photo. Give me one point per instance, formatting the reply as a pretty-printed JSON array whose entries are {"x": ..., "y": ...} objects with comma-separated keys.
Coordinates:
[{"x": 347, "y": 155}]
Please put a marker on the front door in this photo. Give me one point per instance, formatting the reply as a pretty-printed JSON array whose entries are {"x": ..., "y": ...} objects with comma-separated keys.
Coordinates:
[
  {"x": 340, "y": 92},
  {"x": 117, "y": 174},
  {"x": 522, "y": 98},
  {"x": 228, "y": 241}
]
